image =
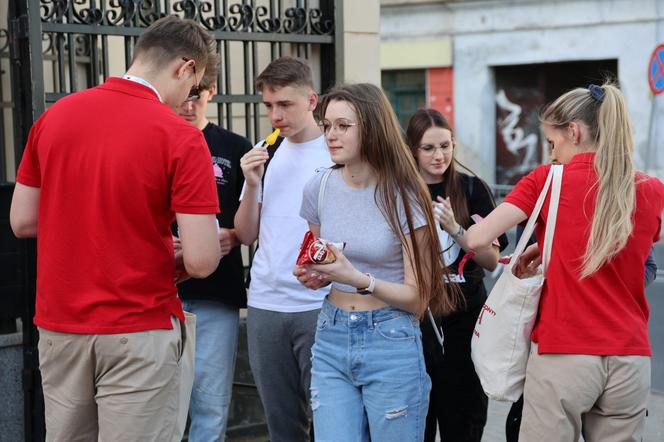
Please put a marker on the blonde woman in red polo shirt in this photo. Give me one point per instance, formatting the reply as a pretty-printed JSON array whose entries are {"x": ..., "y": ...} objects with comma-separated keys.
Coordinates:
[{"x": 590, "y": 357}]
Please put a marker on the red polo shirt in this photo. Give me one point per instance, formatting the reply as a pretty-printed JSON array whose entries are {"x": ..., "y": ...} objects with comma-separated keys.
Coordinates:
[
  {"x": 607, "y": 312},
  {"x": 113, "y": 164}
]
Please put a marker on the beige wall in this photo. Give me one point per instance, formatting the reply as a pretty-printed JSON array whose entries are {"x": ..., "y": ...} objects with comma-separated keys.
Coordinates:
[
  {"x": 416, "y": 54},
  {"x": 361, "y": 41}
]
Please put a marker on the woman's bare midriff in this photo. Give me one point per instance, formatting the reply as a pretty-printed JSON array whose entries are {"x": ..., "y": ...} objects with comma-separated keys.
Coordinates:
[{"x": 353, "y": 301}]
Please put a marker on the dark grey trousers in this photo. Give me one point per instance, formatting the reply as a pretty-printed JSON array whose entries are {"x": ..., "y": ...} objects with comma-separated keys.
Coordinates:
[{"x": 280, "y": 358}]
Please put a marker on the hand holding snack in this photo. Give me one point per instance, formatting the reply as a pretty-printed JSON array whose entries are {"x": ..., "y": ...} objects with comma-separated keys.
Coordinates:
[
  {"x": 309, "y": 278},
  {"x": 253, "y": 162},
  {"x": 321, "y": 261},
  {"x": 316, "y": 250},
  {"x": 341, "y": 270}
]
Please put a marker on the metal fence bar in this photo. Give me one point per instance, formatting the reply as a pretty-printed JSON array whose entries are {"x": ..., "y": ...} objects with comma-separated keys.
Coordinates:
[
  {"x": 3, "y": 165},
  {"x": 219, "y": 35},
  {"x": 59, "y": 62},
  {"x": 252, "y": 89},
  {"x": 5, "y": 106}
]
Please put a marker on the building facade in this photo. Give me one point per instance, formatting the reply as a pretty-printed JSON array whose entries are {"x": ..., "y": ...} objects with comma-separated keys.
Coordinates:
[{"x": 503, "y": 60}]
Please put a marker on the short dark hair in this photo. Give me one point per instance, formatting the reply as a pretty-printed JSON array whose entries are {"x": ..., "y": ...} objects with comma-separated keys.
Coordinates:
[
  {"x": 207, "y": 81},
  {"x": 173, "y": 37},
  {"x": 211, "y": 72},
  {"x": 285, "y": 71}
]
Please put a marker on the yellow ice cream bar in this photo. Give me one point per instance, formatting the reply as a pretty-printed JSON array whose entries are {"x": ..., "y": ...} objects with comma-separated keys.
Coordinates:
[{"x": 272, "y": 138}]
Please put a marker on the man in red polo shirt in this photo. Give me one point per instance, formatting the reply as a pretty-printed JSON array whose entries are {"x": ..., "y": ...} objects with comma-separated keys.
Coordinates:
[{"x": 104, "y": 173}]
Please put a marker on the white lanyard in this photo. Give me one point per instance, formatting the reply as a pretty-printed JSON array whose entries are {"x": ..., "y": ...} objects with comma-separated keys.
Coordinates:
[{"x": 145, "y": 83}]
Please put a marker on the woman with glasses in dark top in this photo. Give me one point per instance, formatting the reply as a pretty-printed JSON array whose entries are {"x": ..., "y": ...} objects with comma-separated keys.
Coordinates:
[{"x": 458, "y": 405}]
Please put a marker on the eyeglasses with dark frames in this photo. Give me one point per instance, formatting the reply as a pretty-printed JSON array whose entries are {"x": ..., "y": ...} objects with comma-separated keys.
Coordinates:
[{"x": 195, "y": 91}]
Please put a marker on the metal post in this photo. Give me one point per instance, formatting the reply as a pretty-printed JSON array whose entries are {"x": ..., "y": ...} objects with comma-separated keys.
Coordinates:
[
  {"x": 339, "y": 30},
  {"x": 332, "y": 55},
  {"x": 27, "y": 77}
]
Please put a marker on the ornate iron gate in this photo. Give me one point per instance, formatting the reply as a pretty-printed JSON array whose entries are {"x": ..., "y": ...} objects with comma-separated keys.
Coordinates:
[
  {"x": 85, "y": 41},
  {"x": 56, "y": 47}
]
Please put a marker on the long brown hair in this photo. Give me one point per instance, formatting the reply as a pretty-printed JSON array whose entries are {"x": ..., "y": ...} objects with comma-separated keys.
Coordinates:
[
  {"x": 398, "y": 181},
  {"x": 604, "y": 111},
  {"x": 421, "y": 121}
]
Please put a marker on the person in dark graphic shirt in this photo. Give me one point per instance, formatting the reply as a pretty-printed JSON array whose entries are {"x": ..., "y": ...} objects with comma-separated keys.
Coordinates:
[{"x": 217, "y": 299}]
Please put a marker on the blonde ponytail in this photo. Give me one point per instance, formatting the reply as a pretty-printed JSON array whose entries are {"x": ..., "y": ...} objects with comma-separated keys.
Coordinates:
[
  {"x": 612, "y": 221},
  {"x": 604, "y": 112}
]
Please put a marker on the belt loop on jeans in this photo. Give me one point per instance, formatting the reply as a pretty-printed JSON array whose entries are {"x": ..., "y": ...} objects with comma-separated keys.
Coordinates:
[
  {"x": 335, "y": 312},
  {"x": 370, "y": 322}
]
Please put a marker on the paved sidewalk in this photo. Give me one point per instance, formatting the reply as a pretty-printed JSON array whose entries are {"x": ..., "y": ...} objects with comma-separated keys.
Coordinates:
[{"x": 495, "y": 427}]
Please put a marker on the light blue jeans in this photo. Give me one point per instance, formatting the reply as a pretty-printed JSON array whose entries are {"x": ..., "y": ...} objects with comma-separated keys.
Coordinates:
[
  {"x": 217, "y": 327},
  {"x": 368, "y": 376}
]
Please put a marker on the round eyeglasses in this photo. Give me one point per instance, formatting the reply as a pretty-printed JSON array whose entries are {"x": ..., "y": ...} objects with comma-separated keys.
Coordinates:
[
  {"x": 339, "y": 126},
  {"x": 430, "y": 149}
]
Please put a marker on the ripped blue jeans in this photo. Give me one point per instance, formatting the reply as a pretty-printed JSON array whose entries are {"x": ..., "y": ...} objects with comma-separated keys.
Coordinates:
[{"x": 368, "y": 376}]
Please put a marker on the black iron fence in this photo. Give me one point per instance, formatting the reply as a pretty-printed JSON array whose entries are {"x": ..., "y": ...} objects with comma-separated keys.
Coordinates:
[
  {"x": 85, "y": 41},
  {"x": 5, "y": 100},
  {"x": 51, "y": 48}
]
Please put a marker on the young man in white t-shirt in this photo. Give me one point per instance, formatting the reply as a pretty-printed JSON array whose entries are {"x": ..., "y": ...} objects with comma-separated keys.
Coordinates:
[{"x": 282, "y": 314}]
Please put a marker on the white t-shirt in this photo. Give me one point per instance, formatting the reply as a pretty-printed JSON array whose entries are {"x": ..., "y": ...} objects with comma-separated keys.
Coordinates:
[{"x": 273, "y": 286}]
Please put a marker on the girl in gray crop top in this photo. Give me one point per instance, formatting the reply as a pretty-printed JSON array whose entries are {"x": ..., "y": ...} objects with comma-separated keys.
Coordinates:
[
  {"x": 368, "y": 374},
  {"x": 371, "y": 245}
]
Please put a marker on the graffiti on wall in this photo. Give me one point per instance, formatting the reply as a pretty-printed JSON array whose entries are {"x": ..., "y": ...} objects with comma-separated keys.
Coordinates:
[{"x": 517, "y": 138}]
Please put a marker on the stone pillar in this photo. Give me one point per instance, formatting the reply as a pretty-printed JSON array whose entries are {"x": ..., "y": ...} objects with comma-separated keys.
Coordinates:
[{"x": 358, "y": 41}]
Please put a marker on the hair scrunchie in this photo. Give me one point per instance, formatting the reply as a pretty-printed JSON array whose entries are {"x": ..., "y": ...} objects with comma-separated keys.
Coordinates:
[{"x": 596, "y": 92}]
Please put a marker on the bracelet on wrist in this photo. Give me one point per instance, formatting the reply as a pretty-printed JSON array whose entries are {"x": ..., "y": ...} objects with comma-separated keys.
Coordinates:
[
  {"x": 460, "y": 232},
  {"x": 370, "y": 288}
]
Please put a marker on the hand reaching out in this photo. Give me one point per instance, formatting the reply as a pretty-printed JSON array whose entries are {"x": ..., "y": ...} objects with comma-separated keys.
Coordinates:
[{"x": 528, "y": 262}]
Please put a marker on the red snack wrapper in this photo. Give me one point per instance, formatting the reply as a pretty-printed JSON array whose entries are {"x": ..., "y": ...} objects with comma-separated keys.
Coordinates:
[{"x": 315, "y": 251}]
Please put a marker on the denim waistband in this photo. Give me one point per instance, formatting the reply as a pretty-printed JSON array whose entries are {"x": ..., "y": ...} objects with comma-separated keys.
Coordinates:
[{"x": 336, "y": 314}]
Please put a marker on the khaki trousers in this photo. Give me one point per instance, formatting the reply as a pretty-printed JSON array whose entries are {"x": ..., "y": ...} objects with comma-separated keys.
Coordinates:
[
  {"x": 606, "y": 394},
  {"x": 118, "y": 387}
]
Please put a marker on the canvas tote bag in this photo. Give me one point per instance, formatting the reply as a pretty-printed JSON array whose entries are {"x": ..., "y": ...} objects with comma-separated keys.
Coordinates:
[{"x": 501, "y": 341}]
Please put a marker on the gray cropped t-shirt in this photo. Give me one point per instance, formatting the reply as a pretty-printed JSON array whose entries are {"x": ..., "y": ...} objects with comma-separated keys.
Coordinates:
[{"x": 351, "y": 215}]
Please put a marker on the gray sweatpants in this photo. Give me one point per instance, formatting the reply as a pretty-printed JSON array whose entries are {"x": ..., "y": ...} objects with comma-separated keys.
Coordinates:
[{"x": 280, "y": 358}]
